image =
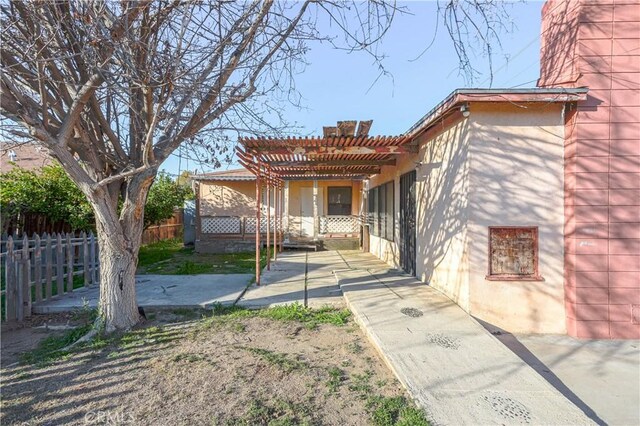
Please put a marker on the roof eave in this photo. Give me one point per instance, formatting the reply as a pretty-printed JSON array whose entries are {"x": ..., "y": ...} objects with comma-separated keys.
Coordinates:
[{"x": 532, "y": 95}]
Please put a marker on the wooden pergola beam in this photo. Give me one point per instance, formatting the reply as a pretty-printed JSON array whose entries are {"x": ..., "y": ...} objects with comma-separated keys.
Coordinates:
[
  {"x": 326, "y": 163},
  {"x": 337, "y": 176},
  {"x": 334, "y": 171},
  {"x": 270, "y": 178},
  {"x": 345, "y": 150}
]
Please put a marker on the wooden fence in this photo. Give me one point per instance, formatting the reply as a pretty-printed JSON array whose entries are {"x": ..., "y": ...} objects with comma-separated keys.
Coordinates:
[
  {"x": 40, "y": 268},
  {"x": 166, "y": 230},
  {"x": 33, "y": 223}
]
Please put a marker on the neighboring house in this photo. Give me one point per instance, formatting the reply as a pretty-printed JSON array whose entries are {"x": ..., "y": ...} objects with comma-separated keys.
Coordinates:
[
  {"x": 28, "y": 156},
  {"x": 226, "y": 212},
  {"x": 522, "y": 205}
]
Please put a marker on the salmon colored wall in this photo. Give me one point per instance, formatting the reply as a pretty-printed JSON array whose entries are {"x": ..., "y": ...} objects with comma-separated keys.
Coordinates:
[
  {"x": 232, "y": 198},
  {"x": 602, "y": 161},
  {"x": 237, "y": 198},
  {"x": 294, "y": 194},
  {"x": 293, "y": 200}
]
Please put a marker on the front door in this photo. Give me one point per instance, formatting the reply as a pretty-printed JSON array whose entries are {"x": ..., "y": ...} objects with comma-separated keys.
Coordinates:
[
  {"x": 408, "y": 222},
  {"x": 306, "y": 210}
]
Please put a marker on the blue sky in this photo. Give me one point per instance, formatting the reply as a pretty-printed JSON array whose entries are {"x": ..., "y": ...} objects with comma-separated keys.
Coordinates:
[{"x": 338, "y": 86}]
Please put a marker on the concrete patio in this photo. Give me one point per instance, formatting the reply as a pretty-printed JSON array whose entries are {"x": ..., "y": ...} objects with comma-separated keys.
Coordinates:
[
  {"x": 161, "y": 291},
  {"x": 456, "y": 369},
  {"x": 298, "y": 277}
]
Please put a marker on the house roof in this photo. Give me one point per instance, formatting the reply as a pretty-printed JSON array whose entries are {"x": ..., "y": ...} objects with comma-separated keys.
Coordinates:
[
  {"x": 344, "y": 153},
  {"x": 225, "y": 175},
  {"x": 457, "y": 98},
  {"x": 28, "y": 156}
]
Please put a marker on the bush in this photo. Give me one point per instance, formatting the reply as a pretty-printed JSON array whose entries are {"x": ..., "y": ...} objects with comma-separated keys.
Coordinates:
[{"x": 52, "y": 194}]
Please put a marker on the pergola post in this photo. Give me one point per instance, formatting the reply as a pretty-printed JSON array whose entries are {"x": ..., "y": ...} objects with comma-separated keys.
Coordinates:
[
  {"x": 268, "y": 225},
  {"x": 281, "y": 217},
  {"x": 316, "y": 220},
  {"x": 258, "y": 195},
  {"x": 286, "y": 207},
  {"x": 275, "y": 222}
]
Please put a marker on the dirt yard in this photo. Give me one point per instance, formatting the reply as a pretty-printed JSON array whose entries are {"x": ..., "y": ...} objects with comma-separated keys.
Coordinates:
[{"x": 234, "y": 368}]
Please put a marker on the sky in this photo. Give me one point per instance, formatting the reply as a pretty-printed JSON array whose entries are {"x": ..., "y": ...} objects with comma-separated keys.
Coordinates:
[{"x": 338, "y": 86}]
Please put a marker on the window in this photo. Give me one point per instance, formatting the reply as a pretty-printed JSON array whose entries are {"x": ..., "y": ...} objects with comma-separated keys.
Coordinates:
[
  {"x": 513, "y": 253},
  {"x": 339, "y": 201},
  {"x": 381, "y": 212},
  {"x": 373, "y": 211}
]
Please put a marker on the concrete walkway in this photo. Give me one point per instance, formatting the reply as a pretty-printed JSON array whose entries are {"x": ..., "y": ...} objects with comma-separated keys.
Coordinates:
[
  {"x": 451, "y": 365},
  {"x": 454, "y": 368},
  {"x": 298, "y": 277},
  {"x": 162, "y": 291},
  {"x": 602, "y": 377}
]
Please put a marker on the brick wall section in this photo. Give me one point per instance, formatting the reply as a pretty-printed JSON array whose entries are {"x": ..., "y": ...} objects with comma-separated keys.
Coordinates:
[{"x": 602, "y": 160}]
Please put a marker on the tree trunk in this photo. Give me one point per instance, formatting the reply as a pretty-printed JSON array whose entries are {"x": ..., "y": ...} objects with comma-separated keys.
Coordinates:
[
  {"x": 118, "y": 306},
  {"x": 119, "y": 239}
]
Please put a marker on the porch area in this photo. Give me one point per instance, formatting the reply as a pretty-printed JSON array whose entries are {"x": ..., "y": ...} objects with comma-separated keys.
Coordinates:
[{"x": 315, "y": 214}]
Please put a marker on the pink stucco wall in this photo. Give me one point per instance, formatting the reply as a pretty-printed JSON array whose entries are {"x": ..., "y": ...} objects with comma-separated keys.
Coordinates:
[{"x": 596, "y": 43}]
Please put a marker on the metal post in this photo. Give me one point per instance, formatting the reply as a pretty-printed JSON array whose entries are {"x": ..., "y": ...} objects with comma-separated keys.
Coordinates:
[
  {"x": 258, "y": 194},
  {"x": 316, "y": 220},
  {"x": 282, "y": 212},
  {"x": 285, "y": 196},
  {"x": 268, "y": 225},
  {"x": 275, "y": 223}
]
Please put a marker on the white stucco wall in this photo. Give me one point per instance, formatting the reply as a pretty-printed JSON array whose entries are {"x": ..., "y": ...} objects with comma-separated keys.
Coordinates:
[
  {"x": 501, "y": 166},
  {"x": 441, "y": 211},
  {"x": 517, "y": 179}
]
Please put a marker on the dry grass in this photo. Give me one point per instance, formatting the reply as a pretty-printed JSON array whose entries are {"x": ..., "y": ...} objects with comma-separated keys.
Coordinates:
[{"x": 236, "y": 368}]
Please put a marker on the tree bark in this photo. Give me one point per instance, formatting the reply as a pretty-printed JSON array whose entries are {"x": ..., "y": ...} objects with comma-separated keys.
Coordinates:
[
  {"x": 118, "y": 306},
  {"x": 119, "y": 239}
]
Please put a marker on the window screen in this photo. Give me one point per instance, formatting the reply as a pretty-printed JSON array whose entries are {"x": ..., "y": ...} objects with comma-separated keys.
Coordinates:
[{"x": 339, "y": 201}]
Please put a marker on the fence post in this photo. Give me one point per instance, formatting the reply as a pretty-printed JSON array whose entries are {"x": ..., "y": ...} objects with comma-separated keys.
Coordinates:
[
  {"x": 48, "y": 268},
  {"x": 19, "y": 288},
  {"x": 26, "y": 278},
  {"x": 92, "y": 255},
  {"x": 37, "y": 268},
  {"x": 70, "y": 256},
  {"x": 85, "y": 259},
  {"x": 59, "y": 262},
  {"x": 10, "y": 282}
]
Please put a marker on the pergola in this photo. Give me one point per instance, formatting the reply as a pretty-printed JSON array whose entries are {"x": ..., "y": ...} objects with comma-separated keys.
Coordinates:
[{"x": 341, "y": 153}]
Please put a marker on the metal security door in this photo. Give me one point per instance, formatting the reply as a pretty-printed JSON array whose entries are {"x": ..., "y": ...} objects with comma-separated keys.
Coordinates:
[{"x": 408, "y": 222}]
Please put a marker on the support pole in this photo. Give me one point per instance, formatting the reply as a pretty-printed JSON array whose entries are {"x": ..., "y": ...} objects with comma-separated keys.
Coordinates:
[
  {"x": 276, "y": 201},
  {"x": 258, "y": 194},
  {"x": 280, "y": 238},
  {"x": 316, "y": 219},
  {"x": 281, "y": 217},
  {"x": 268, "y": 225},
  {"x": 285, "y": 195}
]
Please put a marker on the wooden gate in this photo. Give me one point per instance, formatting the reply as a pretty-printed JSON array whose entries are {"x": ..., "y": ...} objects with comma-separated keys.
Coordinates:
[{"x": 408, "y": 222}]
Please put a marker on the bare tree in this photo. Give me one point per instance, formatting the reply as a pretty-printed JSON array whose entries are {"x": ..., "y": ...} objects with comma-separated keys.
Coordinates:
[{"x": 111, "y": 89}]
